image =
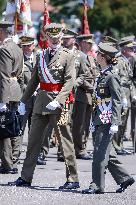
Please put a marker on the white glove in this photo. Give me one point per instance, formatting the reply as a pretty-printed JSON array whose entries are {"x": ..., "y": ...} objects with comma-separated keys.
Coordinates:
[
  {"x": 53, "y": 105},
  {"x": 35, "y": 93},
  {"x": 134, "y": 98},
  {"x": 21, "y": 108},
  {"x": 113, "y": 129},
  {"x": 3, "y": 107},
  {"x": 124, "y": 102}
]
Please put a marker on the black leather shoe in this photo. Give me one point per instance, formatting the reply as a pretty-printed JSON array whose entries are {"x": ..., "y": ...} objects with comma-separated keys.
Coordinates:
[
  {"x": 92, "y": 191},
  {"x": 125, "y": 185},
  {"x": 20, "y": 182},
  {"x": 70, "y": 185},
  {"x": 123, "y": 152},
  {"x": 60, "y": 158},
  {"x": 85, "y": 156},
  {"x": 8, "y": 171}
]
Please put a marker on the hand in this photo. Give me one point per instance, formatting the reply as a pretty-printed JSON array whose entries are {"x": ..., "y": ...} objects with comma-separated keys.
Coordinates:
[
  {"x": 113, "y": 129},
  {"x": 79, "y": 81},
  {"x": 3, "y": 107},
  {"x": 53, "y": 105},
  {"x": 21, "y": 108},
  {"x": 35, "y": 93},
  {"x": 134, "y": 98},
  {"x": 124, "y": 102}
]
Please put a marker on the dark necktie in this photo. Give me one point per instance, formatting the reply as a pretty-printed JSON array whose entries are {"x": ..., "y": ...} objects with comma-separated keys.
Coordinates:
[{"x": 52, "y": 52}]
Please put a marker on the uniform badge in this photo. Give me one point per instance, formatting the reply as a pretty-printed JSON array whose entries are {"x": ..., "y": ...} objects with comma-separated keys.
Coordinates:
[
  {"x": 101, "y": 91},
  {"x": 58, "y": 64}
]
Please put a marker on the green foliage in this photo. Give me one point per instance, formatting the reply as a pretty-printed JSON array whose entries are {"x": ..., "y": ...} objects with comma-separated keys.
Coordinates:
[
  {"x": 119, "y": 15},
  {"x": 2, "y": 6}
]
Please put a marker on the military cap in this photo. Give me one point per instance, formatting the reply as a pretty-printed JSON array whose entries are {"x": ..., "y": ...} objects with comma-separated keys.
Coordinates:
[
  {"x": 53, "y": 30},
  {"x": 109, "y": 39},
  {"x": 69, "y": 33},
  {"x": 6, "y": 24},
  {"x": 132, "y": 37},
  {"x": 107, "y": 49},
  {"x": 26, "y": 40},
  {"x": 86, "y": 37},
  {"x": 127, "y": 41}
]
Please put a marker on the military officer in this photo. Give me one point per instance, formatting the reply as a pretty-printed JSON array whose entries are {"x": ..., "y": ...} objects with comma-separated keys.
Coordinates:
[
  {"x": 27, "y": 44},
  {"x": 82, "y": 73},
  {"x": 11, "y": 64},
  {"x": 131, "y": 56},
  {"x": 106, "y": 120},
  {"x": 126, "y": 75},
  {"x": 83, "y": 101},
  {"x": 55, "y": 72},
  {"x": 122, "y": 68}
]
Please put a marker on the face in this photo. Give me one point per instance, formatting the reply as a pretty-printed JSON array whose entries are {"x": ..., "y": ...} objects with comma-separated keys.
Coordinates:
[
  {"x": 85, "y": 46},
  {"x": 128, "y": 52},
  {"x": 101, "y": 60},
  {"x": 28, "y": 49},
  {"x": 68, "y": 42},
  {"x": 53, "y": 42}
]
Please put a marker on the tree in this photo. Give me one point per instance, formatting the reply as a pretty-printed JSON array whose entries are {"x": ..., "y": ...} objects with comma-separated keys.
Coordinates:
[
  {"x": 2, "y": 6},
  {"x": 116, "y": 14}
]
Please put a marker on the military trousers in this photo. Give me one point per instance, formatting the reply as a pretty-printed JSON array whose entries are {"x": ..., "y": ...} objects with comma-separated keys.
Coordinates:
[
  {"x": 9, "y": 152},
  {"x": 46, "y": 142},
  {"x": 36, "y": 137},
  {"x": 104, "y": 156},
  {"x": 133, "y": 125},
  {"x": 82, "y": 114},
  {"x": 118, "y": 138}
]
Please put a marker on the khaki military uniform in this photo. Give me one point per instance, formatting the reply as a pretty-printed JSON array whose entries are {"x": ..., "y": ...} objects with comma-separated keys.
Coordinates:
[
  {"x": 11, "y": 86},
  {"x": 133, "y": 103},
  {"x": 83, "y": 102},
  {"x": 61, "y": 70},
  {"x": 28, "y": 68},
  {"x": 107, "y": 113},
  {"x": 123, "y": 69}
]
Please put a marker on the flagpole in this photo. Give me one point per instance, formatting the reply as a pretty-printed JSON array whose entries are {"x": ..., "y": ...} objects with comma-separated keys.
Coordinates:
[{"x": 85, "y": 25}]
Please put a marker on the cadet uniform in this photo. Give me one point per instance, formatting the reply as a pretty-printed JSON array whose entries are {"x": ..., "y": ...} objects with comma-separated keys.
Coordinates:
[
  {"x": 106, "y": 120},
  {"x": 56, "y": 78},
  {"x": 11, "y": 64},
  {"x": 83, "y": 103}
]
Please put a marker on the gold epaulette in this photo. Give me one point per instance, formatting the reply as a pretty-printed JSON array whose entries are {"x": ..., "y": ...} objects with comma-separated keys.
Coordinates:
[{"x": 101, "y": 101}]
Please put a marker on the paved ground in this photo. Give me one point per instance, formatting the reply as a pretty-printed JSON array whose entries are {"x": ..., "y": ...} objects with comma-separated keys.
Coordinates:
[{"x": 47, "y": 179}]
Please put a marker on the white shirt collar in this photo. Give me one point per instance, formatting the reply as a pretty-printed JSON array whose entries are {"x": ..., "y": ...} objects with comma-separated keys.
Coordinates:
[{"x": 31, "y": 57}]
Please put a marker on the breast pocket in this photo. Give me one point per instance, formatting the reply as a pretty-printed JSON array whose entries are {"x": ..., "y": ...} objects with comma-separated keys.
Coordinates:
[
  {"x": 57, "y": 70},
  {"x": 103, "y": 90}
]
